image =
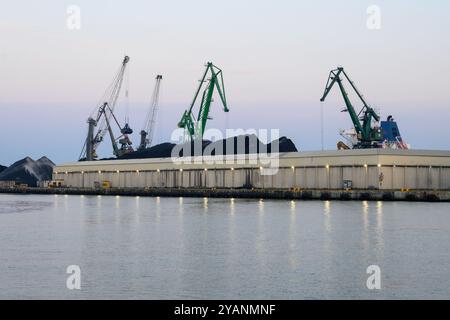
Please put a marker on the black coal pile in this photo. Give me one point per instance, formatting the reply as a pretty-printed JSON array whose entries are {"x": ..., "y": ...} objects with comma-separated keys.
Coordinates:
[
  {"x": 28, "y": 171},
  {"x": 193, "y": 148},
  {"x": 284, "y": 145},
  {"x": 162, "y": 150},
  {"x": 248, "y": 144}
]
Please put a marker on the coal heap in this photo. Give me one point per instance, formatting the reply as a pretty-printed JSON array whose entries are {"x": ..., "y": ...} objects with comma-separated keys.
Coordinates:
[
  {"x": 28, "y": 171},
  {"x": 162, "y": 150},
  {"x": 248, "y": 144}
]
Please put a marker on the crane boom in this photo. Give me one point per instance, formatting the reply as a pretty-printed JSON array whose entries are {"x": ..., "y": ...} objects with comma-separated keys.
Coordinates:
[
  {"x": 368, "y": 135},
  {"x": 149, "y": 124},
  {"x": 195, "y": 127},
  {"x": 102, "y": 119},
  {"x": 109, "y": 128},
  {"x": 111, "y": 98}
]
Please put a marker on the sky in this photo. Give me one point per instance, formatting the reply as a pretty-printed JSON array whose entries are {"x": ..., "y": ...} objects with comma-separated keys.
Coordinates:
[{"x": 275, "y": 57}]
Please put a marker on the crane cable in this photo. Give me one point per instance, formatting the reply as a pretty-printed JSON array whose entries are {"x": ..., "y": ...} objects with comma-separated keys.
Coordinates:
[
  {"x": 150, "y": 120},
  {"x": 161, "y": 109},
  {"x": 127, "y": 92},
  {"x": 321, "y": 126}
]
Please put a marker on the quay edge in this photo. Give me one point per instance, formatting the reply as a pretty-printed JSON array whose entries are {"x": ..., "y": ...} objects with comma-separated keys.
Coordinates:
[{"x": 326, "y": 194}]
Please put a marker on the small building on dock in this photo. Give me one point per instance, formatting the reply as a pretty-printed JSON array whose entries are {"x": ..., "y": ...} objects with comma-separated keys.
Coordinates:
[{"x": 8, "y": 184}]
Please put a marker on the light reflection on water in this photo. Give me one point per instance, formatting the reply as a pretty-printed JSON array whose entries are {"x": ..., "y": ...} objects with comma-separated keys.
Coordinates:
[
  {"x": 158, "y": 209},
  {"x": 365, "y": 231},
  {"x": 169, "y": 248},
  {"x": 293, "y": 256},
  {"x": 327, "y": 226}
]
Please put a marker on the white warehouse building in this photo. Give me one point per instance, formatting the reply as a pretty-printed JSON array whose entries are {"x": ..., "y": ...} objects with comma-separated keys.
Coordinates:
[{"x": 383, "y": 169}]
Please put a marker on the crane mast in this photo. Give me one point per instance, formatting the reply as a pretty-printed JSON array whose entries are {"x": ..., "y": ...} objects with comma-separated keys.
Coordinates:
[
  {"x": 195, "y": 126},
  {"x": 104, "y": 109},
  {"x": 368, "y": 134},
  {"x": 149, "y": 125}
]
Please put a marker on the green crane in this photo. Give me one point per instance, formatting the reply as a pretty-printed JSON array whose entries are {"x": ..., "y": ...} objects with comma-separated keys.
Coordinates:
[
  {"x": 195, "y": 126},
  {"x": 367, "y": 134}
]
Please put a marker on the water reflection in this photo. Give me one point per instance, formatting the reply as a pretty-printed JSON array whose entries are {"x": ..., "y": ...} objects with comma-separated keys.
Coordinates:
[
  {"x": 117, "y": 210},
  {"x": 293, "y": 213},
  {"x": 293, "y": 253},
  {"x": 99, "y": 202},
  {"x": 66, "y": 205},
  {"x": 260, "y": 238},
  {"x": 180, "y": 214},
  {"x": 327, "y": 214},
  {"x": 138, "y": 208},
  {"x": 55, "y": 203},
  {"x": 379, "y": 226},
  {"x": 253, "y": 249},
  {"x": 261, "y": 205},
  {"x": 328, "y": 240},
  {"x": 232, "y": 231},
  {"x": 158, "y": 209},
  {"x": 232, "y": 206},
  {"x": 365, "y": 210},
  {"x": 380, "y": 217},
  {"x": 365, "y": 231},
  {"x": 180, "y": 206},
  {"x": 82, "y": 203}
]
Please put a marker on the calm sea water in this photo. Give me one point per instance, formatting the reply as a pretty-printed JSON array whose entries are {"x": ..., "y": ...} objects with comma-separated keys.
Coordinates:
[{"x": 194, "y": 248}]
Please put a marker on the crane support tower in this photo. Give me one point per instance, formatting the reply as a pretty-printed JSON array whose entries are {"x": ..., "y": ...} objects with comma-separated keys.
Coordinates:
[
  {"x": 105, "y": 113},
  {"x": 149, "y": 125},
  {"x": 195, "y": 126}
]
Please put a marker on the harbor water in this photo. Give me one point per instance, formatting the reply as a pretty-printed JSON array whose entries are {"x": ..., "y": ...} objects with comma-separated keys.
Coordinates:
[{"x": 203, "y": 248}]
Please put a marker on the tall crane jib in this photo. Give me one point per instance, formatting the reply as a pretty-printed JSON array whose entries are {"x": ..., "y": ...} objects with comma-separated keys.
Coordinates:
[
  {"x": 368, "y": 132},
  {"x": 365, "y": 122},
  {"x": 195, "y": 125},
  {"x": 149, "y": 124},
  {"x": 103, "y": 119}
]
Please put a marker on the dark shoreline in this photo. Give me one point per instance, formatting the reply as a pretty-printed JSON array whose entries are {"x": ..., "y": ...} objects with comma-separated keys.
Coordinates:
[{"x": 344, "y": 195}]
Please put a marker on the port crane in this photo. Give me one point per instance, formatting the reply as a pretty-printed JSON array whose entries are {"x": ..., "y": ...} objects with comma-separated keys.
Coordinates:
[
  {"x": 105, "y": 115},
  {"x": 149, "y": 124},
  {"x": 195, "y": 126},
  {"x": 368, "y": 132}
]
